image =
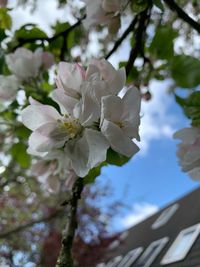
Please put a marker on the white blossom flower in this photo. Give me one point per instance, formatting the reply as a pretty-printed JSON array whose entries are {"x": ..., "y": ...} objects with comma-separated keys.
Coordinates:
[
  {"x": 52, "y": 169},
  {"x": 91, "y": 119},
  {"x": 98, "y": 80},
  {"x": 120, "y": 120},
  {"x": 189, "y": 151},
  {"x": 26, "y": 64},
  {"x": 84, "y": 146},
  {"x": 104, "y": 12},
  {"x": 8, "y": 87}
]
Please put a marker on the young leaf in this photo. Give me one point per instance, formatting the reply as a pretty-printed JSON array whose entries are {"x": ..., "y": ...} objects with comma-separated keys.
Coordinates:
[
  {"x": 185, "y": 70},
  {"x": 115, "y": 158}
]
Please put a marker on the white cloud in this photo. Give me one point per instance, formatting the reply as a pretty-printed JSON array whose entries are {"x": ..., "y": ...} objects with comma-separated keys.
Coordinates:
[
  {"x": 140, "y": 211},
  {"x": 157, "y": 121}
]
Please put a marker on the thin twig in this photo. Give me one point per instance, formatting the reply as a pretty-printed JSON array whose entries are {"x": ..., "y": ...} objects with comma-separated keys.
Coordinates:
[
  {"x": 64, "y": 33},
  {"x": 181, "y": 14},
  {"x": 65, "y": 258},
  {"x": 122, "y": 38},
  {"x": 139, "y": 35},
  {"x": 29, "y": 224}
]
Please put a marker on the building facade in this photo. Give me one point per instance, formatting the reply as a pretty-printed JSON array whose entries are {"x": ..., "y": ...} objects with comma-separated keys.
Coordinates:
[{"x": 169, "y": 238}]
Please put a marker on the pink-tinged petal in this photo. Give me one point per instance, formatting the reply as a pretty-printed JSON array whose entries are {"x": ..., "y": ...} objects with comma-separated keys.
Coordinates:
[
  {"x": 115, "y": 79},
  {"x": 35, "y": 116},
  {"x": 89, "y": 109},
  {"x": 187, "y": 135},
  {"x": 87, "y": 152},
  {"x": 114, "y": 24},
  {"x": 33, "y": 152},
  {"x": 65, "y": 102},
  {"x": 70, "y": 78},
  {"x": 111, "y": 5},
  {"x": 53, "y": 184},
  {"x": 8, "y": 87},
  {"x": 3, "y": 3},
  {"x": 24, "y": 63},
  {"x": 118, "y": 140},
  {"x": 48, "y": 137},
  {"x": 91, "y": 70},
  {"x": 47, "y": 60}
]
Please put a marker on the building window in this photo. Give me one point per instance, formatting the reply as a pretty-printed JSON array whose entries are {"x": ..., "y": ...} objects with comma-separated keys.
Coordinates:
[
  {"x": 165, "y": 216},
  {"x": 130, "y": 257},
  {"x": 114, "y": 262},
  {"x": 182, "y": 244},
  {"x": 151, "y": 252}
]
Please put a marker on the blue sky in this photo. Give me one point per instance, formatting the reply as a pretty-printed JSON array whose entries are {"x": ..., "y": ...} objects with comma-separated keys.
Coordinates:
[{"x": 152, "y": 178}]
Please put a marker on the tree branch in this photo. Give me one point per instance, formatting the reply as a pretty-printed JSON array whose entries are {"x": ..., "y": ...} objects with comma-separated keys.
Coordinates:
[
  {"x": 174, "y": 7},
  {"x": 121, "y": 39},
  {"x": 64, "y": 33},
  {"x": 139, "y": 35},
  {"x": 29, "y": 224},
  {"x": 65, "y": 258}
]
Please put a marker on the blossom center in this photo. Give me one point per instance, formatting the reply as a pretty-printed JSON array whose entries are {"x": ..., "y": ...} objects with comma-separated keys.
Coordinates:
[{"x": 71, "y": 126}]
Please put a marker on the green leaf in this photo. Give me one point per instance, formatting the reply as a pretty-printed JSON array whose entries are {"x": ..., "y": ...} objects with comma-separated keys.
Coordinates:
[
  {"x": 139, "y": 5},
  {"x": 162, "y": 45},
  {"x": 5, "y": 19},
  {"x": 22, "y": 132},
  {"x": 93, "y": 173},
  {"x": 19, "y": 153},
  {"x": 29, "y": 32},
  {"x": 191, "y": 107},
  {"x": 60, "y": 27},
  {"x": 185, "y": 70},
  {"x": 115, "y": 158},
  {"x": 2, "y": 35},
  {"x": 159, "y": 4}
]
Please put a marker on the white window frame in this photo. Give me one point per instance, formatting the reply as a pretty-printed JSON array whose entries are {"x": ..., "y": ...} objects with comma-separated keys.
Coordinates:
[
  {"x": 130, "y": 257},
  {"x": 161, "y": 243},
  {"x": 165, "y": 216},
  {"x": 114, "y": 262},
  {"x": 168, "y": 257}
]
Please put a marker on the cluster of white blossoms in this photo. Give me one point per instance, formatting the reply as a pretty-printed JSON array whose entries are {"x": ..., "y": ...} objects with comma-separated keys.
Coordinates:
[
  {"x": 189, "y": 151},
  {"x": 92, "y": 117},
  {"x": 104, "y": 12},
  {"x": 24, "y": 65}
]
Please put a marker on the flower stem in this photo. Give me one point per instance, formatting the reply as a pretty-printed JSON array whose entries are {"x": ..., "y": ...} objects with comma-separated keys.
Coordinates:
[{"x": 65, "y": 258}]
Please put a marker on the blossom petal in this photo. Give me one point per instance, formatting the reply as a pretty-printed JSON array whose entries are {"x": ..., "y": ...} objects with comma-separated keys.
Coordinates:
[
  {"x": 118, "y": 140},
  {"x": 195, "y": 174},
  {"x": 34, "y": 116},
  {"x": 115, "y": 79},
  {"x": 47, "y": 137},
  {"x": 70, "y": 78},
  {"x": 111, "y": 108},
  {"x": 187, "y": 135},
  {"x": 65, "y": 102},
  {"x": 88, "y": 152}
]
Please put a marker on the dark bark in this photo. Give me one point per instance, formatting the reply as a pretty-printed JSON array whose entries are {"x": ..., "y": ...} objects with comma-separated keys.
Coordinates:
[{"x": 65, "y": 258}]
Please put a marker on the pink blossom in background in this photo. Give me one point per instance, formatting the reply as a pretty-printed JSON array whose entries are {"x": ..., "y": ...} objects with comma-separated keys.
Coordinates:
[{"x": 189, "y": 151}]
